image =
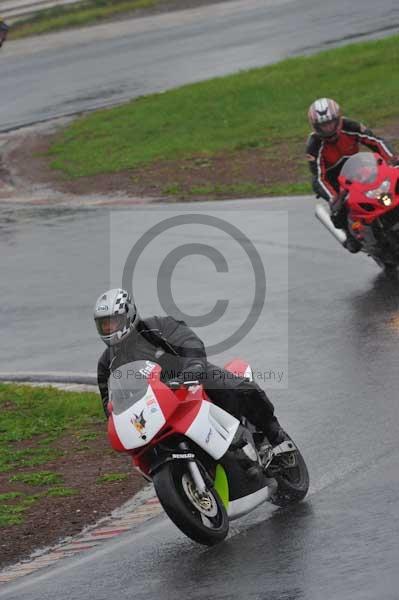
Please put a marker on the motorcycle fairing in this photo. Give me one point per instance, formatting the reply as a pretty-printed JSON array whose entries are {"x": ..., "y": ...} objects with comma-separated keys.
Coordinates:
[
  {"x": 239, "y": 493},
  {"x": 212, "y": 429},
  {"x": 242, "y": 506},
  {"x": 222, "y": 485},
  {"x": 360, "y": 207},
  {"x": 140, "y": 423},
  {"x": 245, "y": 495}
]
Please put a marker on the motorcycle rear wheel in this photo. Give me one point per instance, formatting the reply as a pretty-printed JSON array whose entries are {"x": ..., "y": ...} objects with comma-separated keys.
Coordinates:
[
  {"x": 292, "y": 482},
  {"x": 204, "y": 520}
]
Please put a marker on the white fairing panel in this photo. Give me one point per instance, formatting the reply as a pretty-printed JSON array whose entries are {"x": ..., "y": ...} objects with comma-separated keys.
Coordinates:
[
  {"x": 242, "y": 506},
  {"x": 213, "y": 429},
  {"x": 137, "y": 425}
]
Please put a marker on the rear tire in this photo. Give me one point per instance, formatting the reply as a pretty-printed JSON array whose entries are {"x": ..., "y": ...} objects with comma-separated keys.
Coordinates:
[
  {"x": 205, "y": 523},
  {"x": 292, "y": 482}
]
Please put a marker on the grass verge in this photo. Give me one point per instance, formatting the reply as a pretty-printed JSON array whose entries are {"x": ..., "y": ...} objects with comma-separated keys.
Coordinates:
[
  {"x": 262, "y": 110},
  {"x": 33, "y": 419},
  {"x": 29, "y": 412},
  {"x": 43, "y": 503}
]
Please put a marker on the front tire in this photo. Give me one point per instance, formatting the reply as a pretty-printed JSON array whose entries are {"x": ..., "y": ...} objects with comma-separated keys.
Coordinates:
[
  {"x": 292, "y": 481},
  {"x": 204, "y": 520}
]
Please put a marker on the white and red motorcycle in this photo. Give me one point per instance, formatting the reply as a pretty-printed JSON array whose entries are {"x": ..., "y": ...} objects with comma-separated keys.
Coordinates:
[{"x": 207, "y": 467}]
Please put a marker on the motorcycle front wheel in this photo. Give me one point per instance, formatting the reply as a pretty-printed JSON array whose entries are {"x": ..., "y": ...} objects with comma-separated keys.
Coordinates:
[{"x": 202, "y": 518}]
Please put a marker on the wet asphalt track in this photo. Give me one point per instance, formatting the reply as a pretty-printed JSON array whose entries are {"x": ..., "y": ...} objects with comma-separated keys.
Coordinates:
[
  {"x": 74, "y": 71},
  {"x": 339, "y": 402}
]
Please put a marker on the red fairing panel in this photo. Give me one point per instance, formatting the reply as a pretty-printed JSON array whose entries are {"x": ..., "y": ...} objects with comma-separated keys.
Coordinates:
[
  {"x": 358, "y": 200},
  {"x": 113, "y": 436}
]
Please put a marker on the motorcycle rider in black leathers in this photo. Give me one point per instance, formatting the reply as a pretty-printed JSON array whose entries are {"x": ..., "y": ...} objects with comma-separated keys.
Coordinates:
[
  {"x": 181, "y": 355},
  {"x": 333, "y": 140}
]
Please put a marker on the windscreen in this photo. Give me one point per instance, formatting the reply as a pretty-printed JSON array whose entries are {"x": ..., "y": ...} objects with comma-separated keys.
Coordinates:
[
  {"x": 128, "y": 384},
  {"x": 361, "y": 168}
]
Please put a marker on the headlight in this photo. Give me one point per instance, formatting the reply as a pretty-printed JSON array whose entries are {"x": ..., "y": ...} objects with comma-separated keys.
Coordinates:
[
  {"x": 383, "y": 189},
  {"x": 385, "y": 199}
]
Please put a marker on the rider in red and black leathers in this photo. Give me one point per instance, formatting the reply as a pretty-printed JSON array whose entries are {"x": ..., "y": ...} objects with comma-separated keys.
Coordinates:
[
  {"x": 327, "y": 156},
  {"x": 333, "y": 141}
]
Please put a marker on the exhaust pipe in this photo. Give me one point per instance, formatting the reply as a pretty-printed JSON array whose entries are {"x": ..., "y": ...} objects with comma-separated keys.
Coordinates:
[{"x": 324, "y": 217}]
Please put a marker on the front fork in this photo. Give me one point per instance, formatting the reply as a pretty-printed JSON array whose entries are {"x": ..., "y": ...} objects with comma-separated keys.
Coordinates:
[
  {"x": 324, "y": 217},
  {"x": 195, "y": 473}
]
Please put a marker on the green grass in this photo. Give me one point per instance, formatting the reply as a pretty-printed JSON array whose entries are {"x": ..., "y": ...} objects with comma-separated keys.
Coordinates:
[
  {"x": 37, "y": 417},
  {"x": 41, "y": 415},
  {"x": 76, "y": 15},
  {"x": 112, "y": 477},
  {"x": 262, "y": 108},
  {"x": 12, "y": 514},
  {"x": 29, "y": 457},
  {"x": 86, "y": 436},
  {"x": 10, "y": 496},
  {"x": 9, "y": 515},
  {"x": 37, "y": 478},
  {"x": 35, "y": 411}
]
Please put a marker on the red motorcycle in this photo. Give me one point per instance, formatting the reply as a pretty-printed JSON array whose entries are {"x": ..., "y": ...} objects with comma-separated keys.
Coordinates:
[
  {"x": 207, "y": 467},
  {"x": 370, "y": 190}
]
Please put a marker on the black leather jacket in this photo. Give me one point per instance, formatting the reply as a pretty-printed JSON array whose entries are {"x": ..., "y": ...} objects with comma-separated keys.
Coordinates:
[
  {"x": 163, "y": 340},
  {"x": 181, "y": 353}
]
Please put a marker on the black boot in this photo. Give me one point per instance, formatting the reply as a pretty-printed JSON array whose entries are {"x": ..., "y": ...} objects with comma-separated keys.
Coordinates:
[
  {"x": 245, "y": 452},
  {"x": 274, "y": 432}
]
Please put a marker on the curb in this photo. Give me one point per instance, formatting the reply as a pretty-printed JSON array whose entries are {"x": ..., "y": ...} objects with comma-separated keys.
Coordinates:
[
  {"x": 141, "y": 508},
  {"x": 52, "y": 377}
]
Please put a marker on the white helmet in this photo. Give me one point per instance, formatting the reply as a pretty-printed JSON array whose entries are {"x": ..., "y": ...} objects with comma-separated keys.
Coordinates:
[
  {"x": 325, "y": 117},
  {"x": 115, "y": 316}
]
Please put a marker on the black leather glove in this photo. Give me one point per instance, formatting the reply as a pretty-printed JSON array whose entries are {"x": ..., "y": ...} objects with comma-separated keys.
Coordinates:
[{"x": 193, "y": 372}]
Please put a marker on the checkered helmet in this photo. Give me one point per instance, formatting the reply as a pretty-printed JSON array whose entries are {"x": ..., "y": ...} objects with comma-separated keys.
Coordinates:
[
  {"x": 115, "y": 316},
  {"x": 325, "y": 117}
]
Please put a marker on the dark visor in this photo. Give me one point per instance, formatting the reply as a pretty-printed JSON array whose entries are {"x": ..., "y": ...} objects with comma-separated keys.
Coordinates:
[
  {"x": 109, "y": 325},
  {"x": 328, "y": 126}
]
